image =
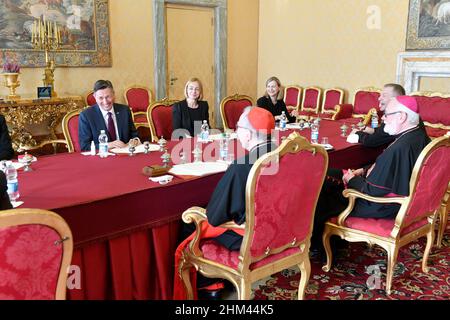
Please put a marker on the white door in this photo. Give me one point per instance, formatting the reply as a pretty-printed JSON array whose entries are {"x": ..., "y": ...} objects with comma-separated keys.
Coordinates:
[{"x": 190, "y": 51}]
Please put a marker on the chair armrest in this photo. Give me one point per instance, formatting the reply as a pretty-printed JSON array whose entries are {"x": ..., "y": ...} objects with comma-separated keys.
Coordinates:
[
  {"x": 198, "y": 216},
  {"x": 353, "y": 195},
  {"x": 343, "y": 111},
  {"x": 232, "y": 225}
]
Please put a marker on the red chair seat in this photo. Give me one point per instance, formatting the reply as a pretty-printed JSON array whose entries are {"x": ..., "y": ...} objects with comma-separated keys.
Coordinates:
[
  {"x": 140, "y": 118},
  {"x": 381, "y": 227},
  {"x": 218, "y": 253}
]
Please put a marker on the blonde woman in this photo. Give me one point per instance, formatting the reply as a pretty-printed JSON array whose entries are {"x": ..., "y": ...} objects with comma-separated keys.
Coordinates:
[
  {"x": 273, "y": 100},
  {"x": 189, "y": 113}
]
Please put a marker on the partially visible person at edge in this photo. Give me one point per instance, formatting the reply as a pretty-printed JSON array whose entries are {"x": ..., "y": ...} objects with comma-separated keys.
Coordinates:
[
  {"x": 114, "y": 118},
  {"x": 388, "y": 176},
  {"x": 4, "y": 198},
  {"x": 6, "y": 150},
  {"x": 189, "y": 113},
  {"x": 273, "y": 100},
  {"x": 227, "y": 202}
]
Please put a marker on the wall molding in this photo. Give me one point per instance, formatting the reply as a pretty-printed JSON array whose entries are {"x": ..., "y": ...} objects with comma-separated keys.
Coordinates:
[{"x": 411, "y": 66}]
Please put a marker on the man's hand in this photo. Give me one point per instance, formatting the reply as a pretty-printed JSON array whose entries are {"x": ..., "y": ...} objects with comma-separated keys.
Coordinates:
[
  {"x": 294, "y": 113},
  {"x": 369, "y": 130},
  {"x": 116, "y": 144}
]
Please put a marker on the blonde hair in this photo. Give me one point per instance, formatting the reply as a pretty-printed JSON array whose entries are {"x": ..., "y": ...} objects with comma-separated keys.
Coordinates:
[
  {"x": 280, "y": 93},
  {"x": 191, "y": 80}
]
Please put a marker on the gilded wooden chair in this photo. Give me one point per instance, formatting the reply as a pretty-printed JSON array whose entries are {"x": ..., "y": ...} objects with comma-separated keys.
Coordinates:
[
  {"x": 35, "y": 252},
  {"x": 443, "y": 217},
  {"x": 138, "y": 98},
  {"x": 278, "y": 224},
  {"x": 415, "y": 219},
  {"x": 89, "y": 99},
  {"x": 292, "y": 97},
  {"x": 332, "y": 98},
  {"x": 70, "y": 130},
  {"x": 434, "y": 109},
  {"x": 310, "y": 103},
  {"x": 159, "y": 115},
  {"x": 231, "y": 108},
  {"x": 365, "y": 102}
]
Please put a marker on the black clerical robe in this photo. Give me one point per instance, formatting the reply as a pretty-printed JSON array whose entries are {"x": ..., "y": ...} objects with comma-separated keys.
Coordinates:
[
  {"x": 379, "y": 137},
  {"x": 390, "y": 174},
  {"x": 228, "y": 199},
  {"x": 376, "y": 139}
]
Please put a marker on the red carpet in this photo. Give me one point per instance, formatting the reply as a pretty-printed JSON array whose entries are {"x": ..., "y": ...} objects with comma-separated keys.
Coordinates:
[{"x": 352, "y": 267}]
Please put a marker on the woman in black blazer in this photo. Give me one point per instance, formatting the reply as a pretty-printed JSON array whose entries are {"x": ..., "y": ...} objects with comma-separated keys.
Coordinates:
[
  {"x": 189, "y": 113},
  {"x": 273, "y": 100}
]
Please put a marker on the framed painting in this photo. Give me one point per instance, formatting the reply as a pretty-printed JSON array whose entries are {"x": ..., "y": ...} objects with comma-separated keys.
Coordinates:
[
  {"x": 428, "y": 25},
  {"x": 84, "y": 26}
]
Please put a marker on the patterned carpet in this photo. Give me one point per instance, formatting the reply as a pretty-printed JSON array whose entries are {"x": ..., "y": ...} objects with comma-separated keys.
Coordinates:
[{"x": 354, "y": 276}]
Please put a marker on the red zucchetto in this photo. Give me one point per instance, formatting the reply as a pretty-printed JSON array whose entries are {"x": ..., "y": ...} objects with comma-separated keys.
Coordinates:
[{"x": 261, "y": 119}]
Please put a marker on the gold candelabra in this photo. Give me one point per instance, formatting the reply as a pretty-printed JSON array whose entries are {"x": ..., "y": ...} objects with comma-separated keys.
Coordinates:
[{"x": 46, "y": 36}]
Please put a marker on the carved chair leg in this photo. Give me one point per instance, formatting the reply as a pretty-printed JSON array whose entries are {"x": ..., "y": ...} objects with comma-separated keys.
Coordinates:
[
  {"x": 326, "y": 244},
  {"x": 305, "y": 271},
  {"x": 426, "y": 253},
  {"x": 392, "y": 253},
  {"x": 443, "y": 218}
]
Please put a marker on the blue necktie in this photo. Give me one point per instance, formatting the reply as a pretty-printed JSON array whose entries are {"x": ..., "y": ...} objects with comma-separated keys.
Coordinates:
[{"x": 111, "y": 127}]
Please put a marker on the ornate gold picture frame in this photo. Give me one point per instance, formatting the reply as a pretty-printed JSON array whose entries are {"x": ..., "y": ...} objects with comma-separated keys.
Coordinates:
[
  {"x": 428, "y": 25},
  {"x": 84, "y": 26}
]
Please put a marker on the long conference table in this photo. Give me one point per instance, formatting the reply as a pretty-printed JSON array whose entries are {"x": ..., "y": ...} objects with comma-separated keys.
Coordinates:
[{"x": 125, "y": 227}]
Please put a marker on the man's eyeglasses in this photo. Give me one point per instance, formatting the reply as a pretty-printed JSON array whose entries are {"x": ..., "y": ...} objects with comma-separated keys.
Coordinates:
[{"x": 391, "y": 113}]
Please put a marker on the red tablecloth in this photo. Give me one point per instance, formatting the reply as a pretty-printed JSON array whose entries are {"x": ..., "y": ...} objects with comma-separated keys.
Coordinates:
[{"x": 125, "y": 227}]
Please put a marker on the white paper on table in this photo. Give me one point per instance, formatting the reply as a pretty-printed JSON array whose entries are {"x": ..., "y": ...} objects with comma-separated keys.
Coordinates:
[
  {"x": 16, "y": 204},
  {"x": 88, "y": 153},
  {"x": 327, "y": 146},
  {"x": 162, "y": 179},
  {"x": 353, "y": 138},
  {"x": 232, "y": 136},
  {"x": 198, "y": 168},
  {"x": 139, "y": 149},
  {"x": 293, "y": 125},
  {"x": 18, "y": 165}
]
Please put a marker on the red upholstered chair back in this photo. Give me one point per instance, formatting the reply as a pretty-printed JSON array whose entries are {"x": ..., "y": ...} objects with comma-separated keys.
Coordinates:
[
  {"x": 429, "y": 181},
  {"x": 366, "y": 99},
  {"x": 70, "y": 130},
  {"x": 138, "y": 98},
  {"x": 90, "y": 100},
  {"x": 35, "y": 252},
  {"x": 331, "y": 98},
  {"x": 434, "y": 109},
  {"x": 159, "y": 116},
  {"x": 292, "y": 97},
  {"x": 275, "y": 219},
  {"x": 231, "y": 109},
  {"x": 311, "y": 99}
]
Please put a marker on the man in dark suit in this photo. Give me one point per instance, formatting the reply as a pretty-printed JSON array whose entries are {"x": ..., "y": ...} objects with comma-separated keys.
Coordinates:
[
  {"x": 106, "y": 115},
  {"x": 6, "y": 150}
]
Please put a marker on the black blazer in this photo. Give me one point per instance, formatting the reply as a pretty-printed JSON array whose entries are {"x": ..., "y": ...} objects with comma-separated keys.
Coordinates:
[
  {"x": 274, "y": 109},
  {"x": 181, "y": 118},
  {"x": 6, "y": 150},
  {"x": 91, "y": 121}
]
